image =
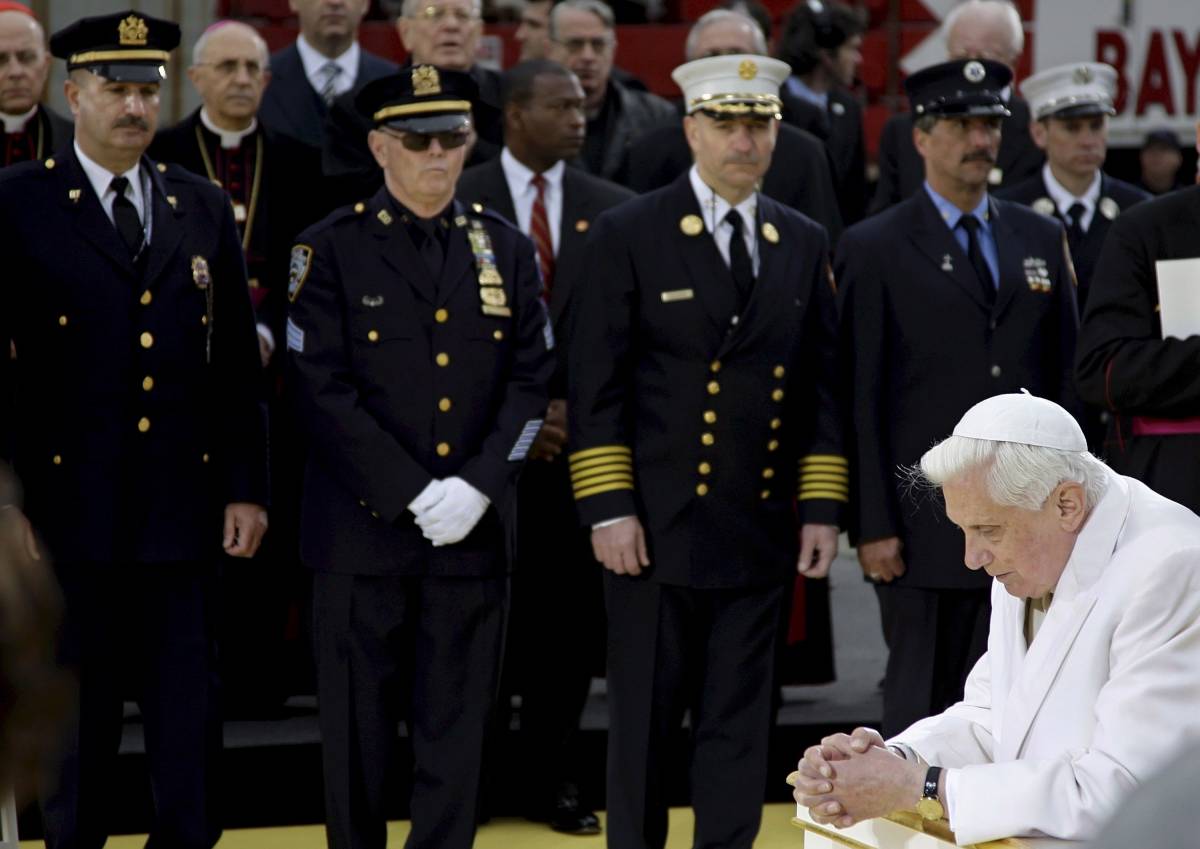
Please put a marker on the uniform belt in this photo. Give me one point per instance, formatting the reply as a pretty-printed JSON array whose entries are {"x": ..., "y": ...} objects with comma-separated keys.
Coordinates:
[{"x": 1146, "y": 426}]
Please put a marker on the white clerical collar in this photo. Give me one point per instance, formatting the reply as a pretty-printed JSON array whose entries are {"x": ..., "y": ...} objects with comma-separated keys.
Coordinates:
[
  {"x": 313, "y": 60},
  {"x": 1063, "y": 199},
  {"x": 229, "y": 138},
  {"x": 716, "y": 207},
  {"x": 101, "y": 178},
  {"x": 16, "y": 123},
  {"x": 519, "y": 174}
]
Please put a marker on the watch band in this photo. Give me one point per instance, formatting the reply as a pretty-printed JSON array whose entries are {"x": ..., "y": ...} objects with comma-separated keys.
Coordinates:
[{"x": 931, "y": 783}]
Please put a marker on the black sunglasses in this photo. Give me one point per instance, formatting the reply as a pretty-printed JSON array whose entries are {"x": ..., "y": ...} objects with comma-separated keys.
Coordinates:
[{"x": 421, "y": 141}]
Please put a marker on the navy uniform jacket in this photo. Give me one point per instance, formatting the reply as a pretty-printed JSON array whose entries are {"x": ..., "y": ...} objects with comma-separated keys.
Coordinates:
[
  {"x": 134, "y": 416},
  {"x": 1115, "y": 197},
  {"x": 401, "y": 379},
  {"x": 584, "y": 197},
  {"x": 920, "y": 347},
  {"x": 902, "y": 171},
  {"x": 699, "y": 426},
  {"x": 1125, "y": 366}
]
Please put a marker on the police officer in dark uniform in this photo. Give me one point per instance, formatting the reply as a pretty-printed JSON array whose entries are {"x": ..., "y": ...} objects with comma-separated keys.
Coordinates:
[
  {"x": 1070, "y": 105},
  {"x": 136, "y": 426},
  {"x": 420, "y": 355},
  {"x": 705, "y": 453},
  {"x": 946, "y": 299}
]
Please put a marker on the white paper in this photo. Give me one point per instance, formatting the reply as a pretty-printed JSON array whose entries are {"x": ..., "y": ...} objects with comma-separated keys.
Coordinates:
[{"x": 1179, "y": 297}]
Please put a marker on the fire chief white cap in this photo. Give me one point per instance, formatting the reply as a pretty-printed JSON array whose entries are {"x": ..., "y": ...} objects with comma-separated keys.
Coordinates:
[
  {"x": 733, "y": 86},
  {"x": 1071, "y": 91}
]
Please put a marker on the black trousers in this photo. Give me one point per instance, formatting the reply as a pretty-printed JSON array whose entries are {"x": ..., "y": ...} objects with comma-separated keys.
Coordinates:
[
  {"x": 672, "y": 649},
  {"x": 428, "y": 650},
  {"x": 556, "y": 630},
  {"x": 934, "y": 638},
  {"x": 144, "y": 632}
]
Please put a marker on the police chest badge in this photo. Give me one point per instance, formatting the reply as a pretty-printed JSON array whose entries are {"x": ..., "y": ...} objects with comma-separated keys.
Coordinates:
[
  {"x": 1037, "y": 276},
  {"x": 492, "y": 297},
  {"x": 298, "y": 268}
]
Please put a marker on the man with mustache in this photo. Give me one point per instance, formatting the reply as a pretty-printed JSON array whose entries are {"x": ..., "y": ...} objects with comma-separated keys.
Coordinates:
[
  {"x": 133, "y": 420},
  {"x": 325, "y": 62},
  {"x": 554, "y": 204},
  {"x": 947, "y": 298},
  {"x": 419, "y": 351},
  {"x": 705, "y": 444},
  {"x": 31, "y": 129}
]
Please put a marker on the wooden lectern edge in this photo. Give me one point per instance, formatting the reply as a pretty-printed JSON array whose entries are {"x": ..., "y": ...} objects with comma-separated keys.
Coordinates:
[{"x": 914, "y": 821}]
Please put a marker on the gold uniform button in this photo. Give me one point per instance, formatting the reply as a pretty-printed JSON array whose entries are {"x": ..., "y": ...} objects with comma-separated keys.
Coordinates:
[
  {"x": 359, "y": 207},
  {"x": 777, "y": 395},
  {"x": 776, "y": 424},
  {"x": 705, "y": 468},
  {"x": 714, "y": 366},
  {"x": 707, "y": 438},
  {"x": 373, "y": 335},
  {"x": 441, "y": 316},
  {"x": 443, "y": 449},
  {"x": 773, "y": 445},
  {"x": 765, "y": 494},
  {"x": 498, "y": 335},
  {"x": 57, "y": 459},
  {"x": 779, "y": 371},
  {"x": 442, "y": 359},
  {"x": 710, "y": 417},
  {"x": 374, "y": 514},
  {"x": 702, "y": 489},
  {"x": 713, "y": 387},
  {"x": 204, "y": 458},
  {"x": 143, "y": 424},
  {"x": 444, "y": 405},
  {"x": 204, "y": 320},
  {"x": 768, "y": 473},
  {"x": 362, "y": 502},
  {"x": 147, "y": 340},
  {"x": 62, "y": 321},
  {"x": 147, "y": 383},
  {"x": 146, "y": 298}
]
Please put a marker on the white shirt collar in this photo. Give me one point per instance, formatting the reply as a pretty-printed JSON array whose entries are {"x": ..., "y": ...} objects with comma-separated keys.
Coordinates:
[
  {"x": 1063, "y": 199},
  {"x": 314, "y": 61},
  {"x": 715, "y": 207},
  {"x": 16, "y": 123},
  {"x": 519, "y": 175},
  {"x": 101, "y": 178},
  {"x": 229, "y": 138}
]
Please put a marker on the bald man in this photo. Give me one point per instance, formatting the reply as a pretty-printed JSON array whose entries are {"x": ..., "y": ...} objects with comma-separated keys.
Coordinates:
[
  {"x": 31, "y": 130},
  {"x": 276, "y": 188}
]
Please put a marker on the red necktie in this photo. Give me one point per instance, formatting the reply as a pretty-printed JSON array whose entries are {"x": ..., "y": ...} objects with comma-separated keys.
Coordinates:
[{"x": 539, "y": 227}]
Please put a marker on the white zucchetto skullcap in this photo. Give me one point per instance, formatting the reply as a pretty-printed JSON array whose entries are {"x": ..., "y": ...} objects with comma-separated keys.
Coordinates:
[{"x": 1022, "y": 418}]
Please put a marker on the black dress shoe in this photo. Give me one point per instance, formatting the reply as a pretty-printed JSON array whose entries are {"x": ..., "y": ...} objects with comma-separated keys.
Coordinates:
[{"x": 568, "y": 816}]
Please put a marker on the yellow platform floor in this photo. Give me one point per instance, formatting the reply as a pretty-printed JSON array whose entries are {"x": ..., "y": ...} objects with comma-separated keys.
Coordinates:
[{"x": 777, "y": 833}]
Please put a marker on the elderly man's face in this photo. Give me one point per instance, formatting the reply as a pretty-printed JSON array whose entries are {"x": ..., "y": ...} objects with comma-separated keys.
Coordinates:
[
  {"x": 442, "y": 32},
  {"x": 585, "y": 45},
  {"x": 724, "y": 38},
  {"x": 1025, "y": 550},
  {"x": 232, "y": 74},
  {"x": 24, "y": 63}
]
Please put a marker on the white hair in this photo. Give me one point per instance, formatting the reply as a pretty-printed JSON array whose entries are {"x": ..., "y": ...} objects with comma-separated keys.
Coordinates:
[
  {"x": 597, "y": 7},
  {"x": 1006, "y": 8},
  {"x": 410, "y": 8},
  {"x": 716, "y": 16},
  {"x": 202, "y": 42},
  {"x": 1017, "y": 475}
]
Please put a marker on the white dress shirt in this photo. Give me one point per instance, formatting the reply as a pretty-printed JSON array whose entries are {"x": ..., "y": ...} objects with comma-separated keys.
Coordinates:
[
  {"x": 715, "y": 208},
  {"x": 101, "y": 179},
  {"x": 1063, "y": 199},
  {"x": 230, "y": 139},
  {"x": 314, "y": 62},
  {"x": 520, "y": 186}
]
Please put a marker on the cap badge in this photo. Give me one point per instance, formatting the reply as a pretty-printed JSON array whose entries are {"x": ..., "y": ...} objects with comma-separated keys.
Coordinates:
[
  {"x": 691, "y": 225},
  {"x": 133, "y": 31},
  {"x": 425, "y": 81},
  {"x": 1083, "y": 75},
  {"x": 1109, "y": 208},
  {"x": 747, "y": 70},
  {"x": 974, "y": 72}
]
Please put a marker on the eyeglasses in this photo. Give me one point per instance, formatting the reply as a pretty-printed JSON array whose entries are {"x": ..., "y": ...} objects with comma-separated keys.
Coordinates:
[
  {"x": 230, "y": 67},
  {"x": 421, "y": 141},
  {"x": 576, "y": 45},
  {"x": 437, "y": 14}
]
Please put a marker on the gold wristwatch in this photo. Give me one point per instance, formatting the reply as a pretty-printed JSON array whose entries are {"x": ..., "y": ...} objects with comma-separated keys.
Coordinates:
[{"x": 930, "y": 807}]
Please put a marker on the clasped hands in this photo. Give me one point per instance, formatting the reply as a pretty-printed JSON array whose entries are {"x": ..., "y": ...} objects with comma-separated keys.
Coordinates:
[
  {"x": 849, "y": 778},
  {"x": 447, "y": 510}
]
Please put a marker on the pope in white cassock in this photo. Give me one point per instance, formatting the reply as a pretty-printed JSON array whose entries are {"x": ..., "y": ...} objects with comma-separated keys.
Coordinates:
[{"x": 1091, "y": 680}]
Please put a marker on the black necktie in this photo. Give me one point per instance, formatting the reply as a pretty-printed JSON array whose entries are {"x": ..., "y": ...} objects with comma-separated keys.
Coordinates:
[
  {"x": 429, "y": 245},
  {"x": 739, "y": 259},
  {"x": 125, "y": 217},
  {"x": 987, "y": 283},
  {"x": 1075, "y": 230}
]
